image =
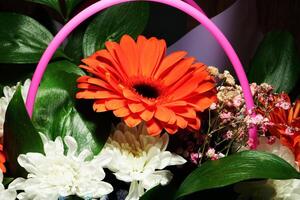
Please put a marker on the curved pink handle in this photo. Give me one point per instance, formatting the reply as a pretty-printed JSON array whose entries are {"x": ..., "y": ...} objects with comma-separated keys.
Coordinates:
[{"x": 98, "y": 6}]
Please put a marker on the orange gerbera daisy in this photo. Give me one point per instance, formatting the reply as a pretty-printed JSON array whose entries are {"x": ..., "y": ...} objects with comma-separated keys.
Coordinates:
[
  {"x": 285, "y": 123},
  {"x": 2, "y": 159},
  {"x": 138, "y": 82}
]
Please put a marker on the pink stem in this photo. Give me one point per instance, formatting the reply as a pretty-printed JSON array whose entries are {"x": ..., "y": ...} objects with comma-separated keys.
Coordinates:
[{"x": 100, "y": 5}]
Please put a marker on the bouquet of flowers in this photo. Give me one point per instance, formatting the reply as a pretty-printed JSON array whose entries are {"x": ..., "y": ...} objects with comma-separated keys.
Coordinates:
[{"x": 116, "y": 117}]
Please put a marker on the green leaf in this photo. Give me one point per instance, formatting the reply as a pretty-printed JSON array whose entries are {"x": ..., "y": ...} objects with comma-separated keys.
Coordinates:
[
  {"x": 50, "y": 3},
  {"x": 237, "y": 167},
  {"x": 161, "y": 192},
  {"x": 58, "y": 113},
  {"x": 22, "y": 39},
  {"x": 20, "y": 136},
  {"x": 129, "y": 18},
  {"x": 74, "y": 46},
  {"x": 276, "y": 62},
  {"x": 70, "y": 5}
]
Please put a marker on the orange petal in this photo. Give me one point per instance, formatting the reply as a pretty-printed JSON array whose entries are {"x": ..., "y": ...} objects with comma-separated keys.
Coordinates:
[
  {"x": 121, "y": 112},
  {"x": 147, "y": 114},
  {"x": 132, "y": 120},
  {"x": 153, "y": 127},
  {"x": 96, "y": 95},
  {"x": 168, "y": 62},
  {"x": 200, "y": 103},
  {"x": 99, "y": 106},
  {"x": 181, "y": 122},
  {"x": 136, "y": 107},
  {"x": 150, "y": 56},
  {"x": 163, "y": 114},
  {"x": 114, "y": 104},
  {"x": 186, "y": 112},
  {"x": 171, "y": 129},
  {"x": 204, "y": 87},
  {"x": 2, "y": 167},
  {"x": 195, "y": 124},
  {"x": 130, "y": 94},
  {"x": 131, "y": 52},
  {"x": 178, "y": 71}
]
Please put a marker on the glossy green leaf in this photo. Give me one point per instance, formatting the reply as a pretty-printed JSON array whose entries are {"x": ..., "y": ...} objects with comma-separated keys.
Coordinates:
[
  {"x": 161, "y": 192},
  {"x": 57, "y": 113},
  {"x": 74, "y": 46},
  {"x": 70, "y": 5},
  {"x": 50, "y": 3},
  {"x": 20, "y": 136},
  {"x": 276, "y": 62},
  {"x": 235, "y": 168},
  {"x": 129, "y": 18},
  {"x": 22, "y": 39}
]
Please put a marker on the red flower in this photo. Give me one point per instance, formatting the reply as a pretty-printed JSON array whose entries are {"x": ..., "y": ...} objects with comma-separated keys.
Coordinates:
[
  {"x": 285, "y": 123},
  {"x": 138, "y": 82},
  {"x": 2, "y": 159}
]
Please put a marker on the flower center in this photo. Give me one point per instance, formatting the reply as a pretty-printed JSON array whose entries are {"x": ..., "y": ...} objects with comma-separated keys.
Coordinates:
[{"x": 145, "y": 90}]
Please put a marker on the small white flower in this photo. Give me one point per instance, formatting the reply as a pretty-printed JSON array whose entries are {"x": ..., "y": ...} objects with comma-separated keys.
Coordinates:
[
  {"x": 6, "y": 194},
  {"x": 4, "y": 101},
  {"x": 139, "y": 158},
  {"x": 54, "y": 174}
]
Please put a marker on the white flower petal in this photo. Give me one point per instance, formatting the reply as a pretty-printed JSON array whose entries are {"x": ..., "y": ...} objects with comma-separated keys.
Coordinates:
[
  {"x": 71, "y": 144},
  {"x": 135, "y": 191},
  {"x": 56, "y": 174},
  {"x": 162, "y": 177}
]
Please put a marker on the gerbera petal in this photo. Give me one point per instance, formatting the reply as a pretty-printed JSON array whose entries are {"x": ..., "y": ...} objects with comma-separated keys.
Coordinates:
[
  {"x": 195, "y": 124},
  {"x": 204, "y": 87},
  {"x": 181, "y": 122},
  {"x": 177, "y": 72},
  {"x": 114, "y": 104},
  {"x": 136, "y": 107},
  {"x": 151, "y": 55},
  {"x": 130, "y": 94},
  {"x": 86, "y": 94},
  {"x": 169, "y": 61},
  {"x": 131, "y": 52},
  {"x": 99, "y": 106},
  {"x": 163, "y": 114},
  {"x": 132, "y": 120},
  {"x": 122, "y": 112},
  {"x": 147, "y": 114},
  {"x": 153, "y": 127}
]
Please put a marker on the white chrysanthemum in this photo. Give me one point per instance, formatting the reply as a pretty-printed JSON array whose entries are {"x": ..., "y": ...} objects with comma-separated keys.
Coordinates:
[
  {"x": 272, "y": 189},
  {"x": 4, "y": 101},
  {"x": 285, "y": 189},
  {"x": 139, "y": 158},
  {"x": 54, "y": 174},
  {"x": 7, "y": 194}
]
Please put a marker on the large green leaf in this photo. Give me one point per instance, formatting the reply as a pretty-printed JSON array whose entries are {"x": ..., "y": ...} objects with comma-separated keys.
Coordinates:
[
  {"x": 161, "y": 192},
  {"x": 74, "y": 46},
  {"x": 70, "y": 5},
  {"x": 50, "y": 3},
  {"x": 57, "y": 113},
  {"x": 276, "y": 62},
  {"x": 237, "y": 167},
  {"x": 129, "y": 18},
  {"x": 20, "y": 136},
  {"x": 22, "y": 39}
]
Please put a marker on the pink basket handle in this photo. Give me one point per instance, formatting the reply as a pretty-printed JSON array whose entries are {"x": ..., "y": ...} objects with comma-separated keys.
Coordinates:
[{"x": 103, "y": 4}]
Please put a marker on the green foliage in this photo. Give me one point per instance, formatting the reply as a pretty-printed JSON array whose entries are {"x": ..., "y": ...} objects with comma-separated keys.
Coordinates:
[
  {"x": 129, "y": 18},
  {"x": 235, "y": 168},
  {"x": 55, "y": 4},
  {"x": 22, "y": 39},
  {"x": 57, "y": 113},
  {"x": 276, "y": 62},
  {"x": 20, "y": 136}
]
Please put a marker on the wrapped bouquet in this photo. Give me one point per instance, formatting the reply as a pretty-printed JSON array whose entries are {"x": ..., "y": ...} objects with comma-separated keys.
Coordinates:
[{"x": 116, "y": 117}]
